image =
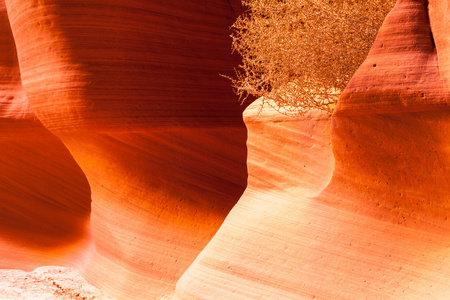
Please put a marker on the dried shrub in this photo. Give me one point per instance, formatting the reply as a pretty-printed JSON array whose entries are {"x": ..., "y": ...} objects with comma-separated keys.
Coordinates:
[{"x": 300, "y": 54}]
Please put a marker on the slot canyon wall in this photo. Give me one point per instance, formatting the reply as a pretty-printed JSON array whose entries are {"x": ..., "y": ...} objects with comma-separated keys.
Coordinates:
[
  {"x": 133, "y": 90},
  {"x": 335, "y": 207},
  {"x": 376, "y": 225},
  {"x": 45, "y": 197}
]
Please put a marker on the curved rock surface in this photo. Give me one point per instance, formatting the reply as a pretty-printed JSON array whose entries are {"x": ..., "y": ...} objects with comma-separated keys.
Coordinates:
[
  {"x": 133, "y": 89},
  {"x": 379, "y": 228},
  {"x": 80, "y": 60},
  {"x": 45, "y": 197},
  {"x": 350, "y": 206},
  {"x": 256, "y": 253}
]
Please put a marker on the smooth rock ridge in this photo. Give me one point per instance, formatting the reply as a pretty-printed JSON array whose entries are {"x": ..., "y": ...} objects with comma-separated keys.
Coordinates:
[{"x": 379, "y": 228}]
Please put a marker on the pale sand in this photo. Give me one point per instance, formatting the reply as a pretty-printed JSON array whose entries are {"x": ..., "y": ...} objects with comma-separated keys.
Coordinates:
[{"x": 47, "y": 283}]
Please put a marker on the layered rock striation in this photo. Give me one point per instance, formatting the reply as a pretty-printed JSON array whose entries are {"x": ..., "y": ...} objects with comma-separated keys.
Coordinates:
[
  {"x": 376, "y": 224},
  {"x": 353, "y": 205},
  {"x": 45, "y": 197},
  {"x": 133, "y": 90},
  {"x": 257, "y": 251}
]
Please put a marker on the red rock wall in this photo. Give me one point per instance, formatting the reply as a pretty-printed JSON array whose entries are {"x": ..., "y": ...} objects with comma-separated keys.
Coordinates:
[
  {"x": 45, "y": 197},
  {"x": 162, "y": 58},
  {"x": 379, "y": 228},
  {"x": 439, "y": 17},
  {"x": 133, "y": 89},
  {"x": 353, "y": 206}
]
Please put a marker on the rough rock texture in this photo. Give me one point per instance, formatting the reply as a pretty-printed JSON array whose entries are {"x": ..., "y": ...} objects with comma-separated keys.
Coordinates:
[
  {"x": 439, "y": 16},
  {"x": 44, "y": 196},
  {"x": 133, "y": 89},
  {"x": 47, "y": 283},
  {"x": 379, "y": 229}
]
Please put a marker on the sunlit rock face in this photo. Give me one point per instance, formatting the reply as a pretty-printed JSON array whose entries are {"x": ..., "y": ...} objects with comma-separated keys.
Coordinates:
[
  {"x": 44, "y": 195},
  {"x": 376, "y": 225},
  {"x": 256, "y": 253},
  {"x": 348, "y": 206},
  {"x": 133, "y": 90}
]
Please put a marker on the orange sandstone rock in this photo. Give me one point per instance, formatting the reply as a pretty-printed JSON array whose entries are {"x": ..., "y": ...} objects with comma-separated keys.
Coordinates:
[
  {"x": 256, "y": 252},
  {"x": 126, "y": 65},
  {"x": 379, "y": 229},
  {"x": 133, "y": 89},
  {"x": 439, "y": 17},
  {"x": 45, "y": 197},
  {"x": 353, "y": 206}
]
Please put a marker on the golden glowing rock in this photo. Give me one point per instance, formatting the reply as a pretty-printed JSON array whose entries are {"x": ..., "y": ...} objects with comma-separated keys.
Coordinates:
[
  {"x": 379, "y": 228},
  {"x": 349, "y": 206}
]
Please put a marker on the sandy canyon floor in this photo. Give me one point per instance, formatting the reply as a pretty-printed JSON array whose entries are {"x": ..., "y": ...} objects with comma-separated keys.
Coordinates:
[{"x": 47, "y": 283}]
